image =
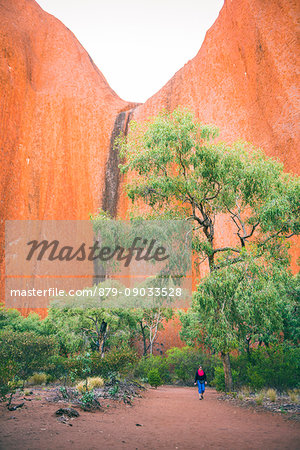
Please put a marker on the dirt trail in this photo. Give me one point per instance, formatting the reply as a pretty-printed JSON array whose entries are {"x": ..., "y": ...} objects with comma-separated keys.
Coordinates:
[{"x": 171, "y": 418}]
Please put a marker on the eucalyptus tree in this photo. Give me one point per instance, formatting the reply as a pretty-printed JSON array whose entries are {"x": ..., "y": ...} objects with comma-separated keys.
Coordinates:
[{"x": 176, "y": 169}]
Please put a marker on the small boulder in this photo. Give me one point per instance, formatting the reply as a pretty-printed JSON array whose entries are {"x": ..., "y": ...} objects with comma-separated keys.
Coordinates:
[{"x": 70, "y": 412}]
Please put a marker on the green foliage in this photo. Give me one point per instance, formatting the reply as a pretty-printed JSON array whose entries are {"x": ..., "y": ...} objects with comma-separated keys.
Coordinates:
[
  {"x": 158, "y": 363},
  {"x": 219, "y": 380},
  {"x": 9, "y": 318},
  {"x": 64, "y": 392},
  {"x": 28, "y": 352},
  {"x": 119, "y": 360},
  {"x": 178, "y": 366},
  {"x": 88, "y": 400},
  {"x": 179, "y": 170},
  {"x": 57, "y": 367},
  {"x": 8, "y": 373},
  {"x": 277, "y": 367},
  {"x": 237, "y": 303},
  {"x": 114, "y": 390},
  {"x": 79, "y": 366},
  {"x": 79, "y": 330},
  {"x": 154, "y": 378},
  {"x": 183, "y": 363},
  {"x": 291, "y": 316}
]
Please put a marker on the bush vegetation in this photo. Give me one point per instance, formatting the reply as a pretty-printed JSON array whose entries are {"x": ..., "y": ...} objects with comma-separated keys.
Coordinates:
[
  {"x": 154, "y": 378},
  {"x": 32, "y": 352},
  {"x": 276, "y": 367}
]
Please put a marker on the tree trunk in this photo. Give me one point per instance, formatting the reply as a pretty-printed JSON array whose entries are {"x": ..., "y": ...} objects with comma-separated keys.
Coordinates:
[
  {"x": 227, "y": 371},
  {"x": 103, "y": 331},
  {"x": 211, "y": 263},
  {"x": 153, "y": 331},
  {"x": 144, "y": 338},
  {"x": 248, "y": 340}
]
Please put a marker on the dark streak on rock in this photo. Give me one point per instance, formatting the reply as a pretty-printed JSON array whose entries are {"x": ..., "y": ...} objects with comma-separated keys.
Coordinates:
[
  {"x": 112, "y": 174},
  {"x": 112, "y": 181}
]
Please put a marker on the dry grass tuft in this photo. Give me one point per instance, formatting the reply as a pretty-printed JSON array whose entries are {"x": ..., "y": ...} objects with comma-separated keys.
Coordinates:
[
  {"x": 271, "y": 394},
  {"x": 293, "y": 396},
  {"x": 259, "y": 398},
  {"x": 92, "y": 383},
  {"x": 245, "y": 391},
  {"x": 37, "y": 379}
]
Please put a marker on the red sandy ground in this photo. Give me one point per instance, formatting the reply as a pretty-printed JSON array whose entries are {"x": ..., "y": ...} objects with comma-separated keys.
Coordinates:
[{"x": 171, "y": 418}]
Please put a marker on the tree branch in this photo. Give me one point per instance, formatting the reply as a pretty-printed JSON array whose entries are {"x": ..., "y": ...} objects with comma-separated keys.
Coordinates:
[{"x": 225, "y": 249}]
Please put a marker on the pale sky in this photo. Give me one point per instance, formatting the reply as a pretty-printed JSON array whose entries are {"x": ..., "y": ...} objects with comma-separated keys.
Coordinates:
[{"x": 137, "y": 44}]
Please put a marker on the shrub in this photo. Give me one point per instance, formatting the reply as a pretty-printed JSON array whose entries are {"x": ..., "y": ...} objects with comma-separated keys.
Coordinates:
[
  {"x": 274, "y": 367},
  {"x": 154, "y": 378},
  {"x": 78, "y": 366},
  {"x": 8, "y": 373},
  {"x": 25, "y": 352},
  {"x": 158, "y": 363},
  {"x": 9, "y": 318},
  {"x": 118, "y": 360},
  {"x": 89, "y": 401},
  {"x": 37, "y": 379},
  {"x": 219, "y": 379},
  {"x": 255, "y": 378},
  {"x": 179, "y": 365},
  {"x": 183, "y": 363},
  {"x": 58, "y": 367}
]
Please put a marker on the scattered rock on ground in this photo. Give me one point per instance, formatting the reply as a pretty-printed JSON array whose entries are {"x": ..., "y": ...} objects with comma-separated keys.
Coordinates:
[
  {"x": 70, "y": 412},
  {"x": 14, "y": 407}
]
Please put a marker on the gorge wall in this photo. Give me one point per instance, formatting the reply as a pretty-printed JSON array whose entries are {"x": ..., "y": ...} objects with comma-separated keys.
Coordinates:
[
  {"x": 58, "y": 115},
  {"x": 244, "y": 78}
]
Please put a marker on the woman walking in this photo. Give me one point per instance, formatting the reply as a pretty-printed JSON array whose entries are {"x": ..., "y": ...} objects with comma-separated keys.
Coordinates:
[{"x": 200, "y": 379}]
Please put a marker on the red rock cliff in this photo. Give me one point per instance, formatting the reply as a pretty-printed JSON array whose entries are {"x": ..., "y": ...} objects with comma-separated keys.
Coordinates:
[
  {"x": 57, "y": 113},
  {"x": 244, "y": 80}
]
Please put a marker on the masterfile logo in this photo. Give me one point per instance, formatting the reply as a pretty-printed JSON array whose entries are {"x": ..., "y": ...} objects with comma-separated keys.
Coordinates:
[{"x": 111, "y": 263}]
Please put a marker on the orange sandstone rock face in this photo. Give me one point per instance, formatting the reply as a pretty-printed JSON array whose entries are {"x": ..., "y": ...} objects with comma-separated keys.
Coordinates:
[
  {"x": 244, "y": 78},
  {"x": 57, "y": 114}
]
